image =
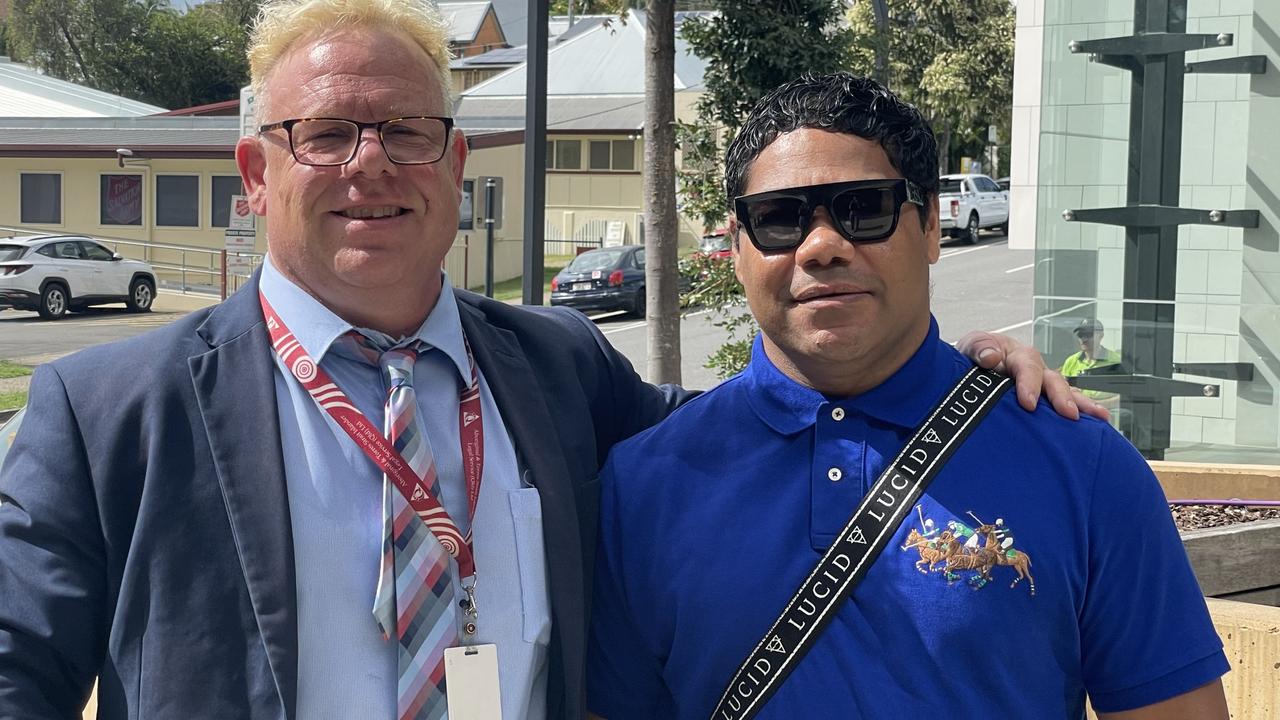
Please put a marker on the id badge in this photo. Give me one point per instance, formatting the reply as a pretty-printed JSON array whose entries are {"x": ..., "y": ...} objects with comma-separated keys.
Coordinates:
[{"x": 471, "y": 682}]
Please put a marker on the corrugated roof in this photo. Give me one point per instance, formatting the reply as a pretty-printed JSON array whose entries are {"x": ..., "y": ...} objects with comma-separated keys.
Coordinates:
[
  {"x": 500, "y": 57},
  {"x": 482, "y": 115},
  {"x": 134, "y": 133},
  {"x": 464, "y": 19},
  {"x": 596, "y": 57},
  {"x": 24, "y": 92}
]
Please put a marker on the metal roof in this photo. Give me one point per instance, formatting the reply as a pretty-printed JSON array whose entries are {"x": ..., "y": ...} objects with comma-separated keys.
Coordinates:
[
  {"x": 25, "y": 92},
  {"x": 173, "y": 134},
  {"x": 464, "y": 19},
  {"x": 481, "y": 115},
  {"x": 598, "y": 56},
  {"x": 501, "y": 57}
]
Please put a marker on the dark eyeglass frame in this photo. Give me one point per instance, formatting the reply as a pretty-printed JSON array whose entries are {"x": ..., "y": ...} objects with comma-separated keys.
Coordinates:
[
  {"x": 815, "y": 196},
  {"x": 288, "y": 125}
]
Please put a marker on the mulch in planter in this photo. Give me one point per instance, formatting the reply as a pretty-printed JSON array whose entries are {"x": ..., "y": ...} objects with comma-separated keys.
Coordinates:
[{"x": 1200, "y": 517}]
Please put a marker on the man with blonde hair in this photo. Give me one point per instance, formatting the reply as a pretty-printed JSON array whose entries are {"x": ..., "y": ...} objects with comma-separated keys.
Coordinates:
[{"x": 349, "y": 487}]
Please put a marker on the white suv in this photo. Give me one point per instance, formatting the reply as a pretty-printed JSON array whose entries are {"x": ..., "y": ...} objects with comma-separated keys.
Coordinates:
[{"x": 56, "y": 273}]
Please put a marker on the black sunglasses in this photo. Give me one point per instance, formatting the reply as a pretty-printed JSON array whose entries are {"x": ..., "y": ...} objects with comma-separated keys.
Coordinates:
[{"x": 864, "y": 211}]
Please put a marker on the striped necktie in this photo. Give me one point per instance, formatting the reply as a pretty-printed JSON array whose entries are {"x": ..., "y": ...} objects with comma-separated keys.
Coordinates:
[{"x": 413, "y": 602}]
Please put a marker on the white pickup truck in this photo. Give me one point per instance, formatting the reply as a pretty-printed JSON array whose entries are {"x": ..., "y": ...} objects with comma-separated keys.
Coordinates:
[{"x": 969, "y": 203}]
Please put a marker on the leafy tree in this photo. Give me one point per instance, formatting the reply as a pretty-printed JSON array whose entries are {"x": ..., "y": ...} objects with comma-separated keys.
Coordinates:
[
  {"x": 951, "y": 58},
  {"x": 140, "y": 49},
  {"x": 750, "y": 48}
]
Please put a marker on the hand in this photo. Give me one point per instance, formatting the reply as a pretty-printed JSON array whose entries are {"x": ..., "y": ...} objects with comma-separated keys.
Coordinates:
[{"x": 1026, "y": 366}]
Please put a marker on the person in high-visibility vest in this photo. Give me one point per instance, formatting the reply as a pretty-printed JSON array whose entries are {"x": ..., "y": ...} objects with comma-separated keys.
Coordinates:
[{"x": 1092, "y": 355}]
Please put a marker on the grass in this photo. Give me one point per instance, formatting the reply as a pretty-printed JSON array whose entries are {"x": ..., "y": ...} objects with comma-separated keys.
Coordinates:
[
  {"x": 12, "y": 400},
  {"x": 513, "y": 289},
  {"x": 12, "y": 370}
]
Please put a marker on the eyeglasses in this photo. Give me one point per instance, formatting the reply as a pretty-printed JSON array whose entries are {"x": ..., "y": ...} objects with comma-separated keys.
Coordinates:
[
  {"x": 333, "y": 141},
  {"x": 864, "y": 211}
]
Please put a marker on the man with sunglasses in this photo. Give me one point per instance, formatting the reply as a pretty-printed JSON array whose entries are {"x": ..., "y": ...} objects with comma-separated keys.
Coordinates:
[
  {"x": 209, "y": 519},
  {"x": 703, "y": 543}
]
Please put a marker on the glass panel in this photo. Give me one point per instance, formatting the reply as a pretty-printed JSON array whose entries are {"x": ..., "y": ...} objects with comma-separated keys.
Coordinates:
[
  {"x": 568, "y": 154},
  {"x": 599, "y": 154},
  {"x": 624, "y": 154},
  {"x": 11, "y": 252},
  {"x": 178, "y": 200},
  {"x": 41, "y": 198},
  {"x": 120, "y": 200},
  {"x": 224, "y": 186},
  {"x": 551, "y": 155},
  {"x": 94, "y": 251}
]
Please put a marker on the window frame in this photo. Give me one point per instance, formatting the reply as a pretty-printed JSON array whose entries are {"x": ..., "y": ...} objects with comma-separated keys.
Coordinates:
[
  {"x": 62, "y": 197},
  {"x": 213, "y": 204},
  {"x": 142, "y": 200}
]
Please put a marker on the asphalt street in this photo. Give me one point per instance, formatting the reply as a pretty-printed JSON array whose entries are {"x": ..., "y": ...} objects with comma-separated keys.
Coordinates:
[{"x": 981, "y": 287}]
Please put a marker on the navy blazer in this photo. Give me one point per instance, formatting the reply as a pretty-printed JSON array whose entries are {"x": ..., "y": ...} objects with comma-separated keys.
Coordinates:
[{"x": 144, "y": 527}]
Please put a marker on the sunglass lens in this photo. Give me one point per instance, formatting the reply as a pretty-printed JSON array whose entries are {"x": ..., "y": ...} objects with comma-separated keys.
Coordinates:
[
  {"x": 866, "y": 214},
  {"x": 777, "y": 223}
]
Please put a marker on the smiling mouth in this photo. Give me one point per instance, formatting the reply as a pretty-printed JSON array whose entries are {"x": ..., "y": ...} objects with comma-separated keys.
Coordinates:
[{"x": 372, "y": 213}]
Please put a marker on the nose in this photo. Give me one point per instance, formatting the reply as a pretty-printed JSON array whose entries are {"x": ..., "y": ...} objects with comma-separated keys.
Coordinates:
[
  {"x": 823, "y": 244},
  {"x": 370, "y": 157}
]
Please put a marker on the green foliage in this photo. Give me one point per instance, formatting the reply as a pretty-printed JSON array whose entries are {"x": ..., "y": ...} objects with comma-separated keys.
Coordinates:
[
  {"x": 13, "y": 370},
  {"x": 951, "y": 58},
  {"x": 750, "y": 48},
  {"x": 140, "y": 49}
]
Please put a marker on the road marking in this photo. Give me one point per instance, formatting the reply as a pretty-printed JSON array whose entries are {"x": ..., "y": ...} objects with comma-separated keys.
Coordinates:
[
  {"x": 953, "y": 253},
  {"x": 1028, "y": 266},
  {"x": 1025, "y": 323},
  {"x": 642, "y": 323}
]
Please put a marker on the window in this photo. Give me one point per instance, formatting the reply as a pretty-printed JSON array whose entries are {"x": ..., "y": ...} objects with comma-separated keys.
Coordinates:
[
  {"x": 41, "y": 198},
  {"x": 120, "y": 200},
  {"x": 568, "y": 155},
  {"x": 599, "y": 155},
  {"x": 224, "y": 186},
  {"x": 178, "y": 200},
  {"x": 63, "y": 250},
  {"x": 624, "y": 154},
  {"x": 638, "y": 258},
  {"x": 94, "y": 251}
]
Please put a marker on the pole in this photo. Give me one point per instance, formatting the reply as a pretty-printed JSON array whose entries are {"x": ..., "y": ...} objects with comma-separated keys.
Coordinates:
[
  {"x": 488, "y": 236},
  {"x": 535, "y": 151}
]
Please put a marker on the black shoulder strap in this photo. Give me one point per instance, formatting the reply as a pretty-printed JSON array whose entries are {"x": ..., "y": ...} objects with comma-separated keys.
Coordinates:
[{"x": 859, "y": 544}]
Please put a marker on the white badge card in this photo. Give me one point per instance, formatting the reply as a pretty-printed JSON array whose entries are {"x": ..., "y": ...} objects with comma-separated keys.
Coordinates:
[{"x": 471, "y": 682}]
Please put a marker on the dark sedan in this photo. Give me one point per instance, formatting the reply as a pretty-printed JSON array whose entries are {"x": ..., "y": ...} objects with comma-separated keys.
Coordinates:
[{"x": 609, "y": 278}]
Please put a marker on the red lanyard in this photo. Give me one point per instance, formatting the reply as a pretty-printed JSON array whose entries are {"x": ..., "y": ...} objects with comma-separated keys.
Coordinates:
[{"x": 332, "y": 400}]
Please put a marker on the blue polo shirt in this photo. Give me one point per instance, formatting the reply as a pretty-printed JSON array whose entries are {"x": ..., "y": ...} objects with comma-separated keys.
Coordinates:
[{"x": 712, "y": 519}]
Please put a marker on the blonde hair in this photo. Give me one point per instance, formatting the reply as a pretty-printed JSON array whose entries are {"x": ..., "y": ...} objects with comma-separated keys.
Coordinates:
[{"x": 283, "y": 24}]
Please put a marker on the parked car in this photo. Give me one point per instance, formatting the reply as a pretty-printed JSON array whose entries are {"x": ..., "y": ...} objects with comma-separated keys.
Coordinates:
[
  {"x": 716, "y": 244},
  {"x": 969, "y": 203},
  {"x": 52, "y": 274},
  {"x": 610, "y": 278},
  {"x": 9, "y": 429}
]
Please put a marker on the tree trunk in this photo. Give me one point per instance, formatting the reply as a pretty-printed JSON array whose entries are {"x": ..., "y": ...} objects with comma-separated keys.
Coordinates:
[
  {"x": 661, "y": 228},
  {"x": 944, "y": 147}
]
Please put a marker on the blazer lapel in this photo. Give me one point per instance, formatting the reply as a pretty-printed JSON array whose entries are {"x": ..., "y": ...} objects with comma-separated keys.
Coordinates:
[
  {"x": 521, "y": 400},
  {"x": 235, "y": 388}
]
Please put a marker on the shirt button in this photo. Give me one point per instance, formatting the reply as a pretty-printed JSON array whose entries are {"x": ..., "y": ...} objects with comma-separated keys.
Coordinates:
[
  {"x": 837, "y": 414},
  {"x": 834, "y": 474}
]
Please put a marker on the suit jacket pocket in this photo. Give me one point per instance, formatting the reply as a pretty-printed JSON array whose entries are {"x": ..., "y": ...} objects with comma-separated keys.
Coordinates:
[{"x": 531, "y": 559}]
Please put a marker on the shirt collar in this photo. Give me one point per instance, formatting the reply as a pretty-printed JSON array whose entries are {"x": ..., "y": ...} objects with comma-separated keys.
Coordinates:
[
  {"x": 904, "y": 399},
  {"x": 316, "y": 326}
]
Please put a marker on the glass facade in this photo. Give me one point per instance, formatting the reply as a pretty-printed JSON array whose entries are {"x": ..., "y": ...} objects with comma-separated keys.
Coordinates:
[{"x": 1113, "y": 144}]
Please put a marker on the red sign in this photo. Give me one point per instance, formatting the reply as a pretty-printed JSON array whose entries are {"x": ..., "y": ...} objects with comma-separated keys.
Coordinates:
[{"x": 124, "y": 200}]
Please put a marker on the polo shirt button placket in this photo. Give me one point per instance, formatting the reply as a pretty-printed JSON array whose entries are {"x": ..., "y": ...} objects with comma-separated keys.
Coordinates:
[{"x": 837, "y": 414}]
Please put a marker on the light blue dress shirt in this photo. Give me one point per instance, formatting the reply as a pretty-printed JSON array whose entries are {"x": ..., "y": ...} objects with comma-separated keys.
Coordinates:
[{"x": 345, "y": 668}]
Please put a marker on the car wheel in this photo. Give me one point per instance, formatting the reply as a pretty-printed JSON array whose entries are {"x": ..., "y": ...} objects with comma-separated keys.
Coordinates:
[
  {"x": 638, "y": 305},
  {"x": 141, "y": 294},
  {"x": 971, "y": 230},
  {"x": 53, "y": 301}
]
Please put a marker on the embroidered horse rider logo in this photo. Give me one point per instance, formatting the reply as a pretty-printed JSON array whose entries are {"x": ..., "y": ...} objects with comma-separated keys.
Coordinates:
[
  {"x": 961, "y": 548},
  {"x": 775, "y": 645}
]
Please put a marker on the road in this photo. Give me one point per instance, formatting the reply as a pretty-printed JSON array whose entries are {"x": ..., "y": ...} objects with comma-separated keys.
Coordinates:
[{"x": 982, "y": 287}]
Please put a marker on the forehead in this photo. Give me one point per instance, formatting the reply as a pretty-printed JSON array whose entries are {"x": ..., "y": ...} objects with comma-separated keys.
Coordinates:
[
  {"x": 809, "y": 156},
  {"x": 358, "y": 73}
]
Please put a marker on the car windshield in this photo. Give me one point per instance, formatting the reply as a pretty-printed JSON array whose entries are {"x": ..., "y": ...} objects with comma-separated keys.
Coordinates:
[
  {"x": 950, "y": 185},
  {"x": 11, "y": 252},
  {"x": 596, "y": 260},
  {"x": 714, "y": 243}
]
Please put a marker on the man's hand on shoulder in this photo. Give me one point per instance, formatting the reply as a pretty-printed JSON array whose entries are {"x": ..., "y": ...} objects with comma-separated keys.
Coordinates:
[
  {"x": 1026, "y": 366},
  {"x": 1206, "y": 702}
]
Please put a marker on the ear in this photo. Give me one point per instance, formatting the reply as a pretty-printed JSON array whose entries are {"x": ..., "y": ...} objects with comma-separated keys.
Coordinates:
[
  {"x": 735, "y": 245},
  {"x": 457, "y": 153},
  {"x": 251, "y": 159},
  {"x": 932, "y": 229}
]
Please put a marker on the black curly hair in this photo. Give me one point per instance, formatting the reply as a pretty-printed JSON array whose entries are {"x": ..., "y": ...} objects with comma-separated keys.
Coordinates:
[{"x": 844, "y": 103}]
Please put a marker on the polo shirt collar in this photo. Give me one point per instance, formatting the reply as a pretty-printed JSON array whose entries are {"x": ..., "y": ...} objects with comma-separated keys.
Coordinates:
[
  {"x": 904, "y": 399},
  {"x": 316, "y": 327}
]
